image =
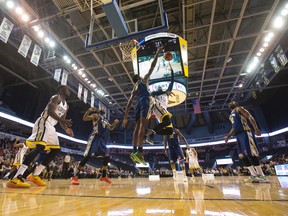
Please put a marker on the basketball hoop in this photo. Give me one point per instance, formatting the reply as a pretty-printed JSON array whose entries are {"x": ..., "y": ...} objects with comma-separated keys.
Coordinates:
[{"x": 127, "y": 49}]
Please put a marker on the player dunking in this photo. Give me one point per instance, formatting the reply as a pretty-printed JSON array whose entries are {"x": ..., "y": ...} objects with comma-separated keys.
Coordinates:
[
  {"x": 44, "y": 135},
  {"x": 159, "y": 109},
  {"x": 96, "y": 143},
  {"x": 175, "y": 152},
  {"x": 246, "y": 142},
  {"x": 143, "y": 110},
  {"x": 192, "y": 158}
]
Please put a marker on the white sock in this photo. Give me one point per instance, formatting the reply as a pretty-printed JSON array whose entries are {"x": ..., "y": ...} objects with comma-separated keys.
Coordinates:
[
  {"x": 174, "y": 172},
  {"x": 252, "y": 171},
  {"x": 38, "y": 170},
  {"x": 21, "y": 170},
  {"x": 259, "y": 170}
]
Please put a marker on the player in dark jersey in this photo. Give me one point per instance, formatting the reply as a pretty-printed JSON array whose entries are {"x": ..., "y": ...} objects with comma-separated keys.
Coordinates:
[
  {"x": 96, "y": 143},
  {"x": 143, "y": 110},
  {"x": 175, "y": 152},
  {"x": 246, "y": 142},
  {"x": 44, "y": 136}
]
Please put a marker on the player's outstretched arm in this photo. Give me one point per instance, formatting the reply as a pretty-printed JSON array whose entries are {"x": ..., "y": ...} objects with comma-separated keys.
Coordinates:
[{"x": 153, "y": 64}]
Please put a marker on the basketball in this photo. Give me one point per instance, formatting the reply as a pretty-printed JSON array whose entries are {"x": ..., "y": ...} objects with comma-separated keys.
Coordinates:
[{"x": 168, "y": 56}]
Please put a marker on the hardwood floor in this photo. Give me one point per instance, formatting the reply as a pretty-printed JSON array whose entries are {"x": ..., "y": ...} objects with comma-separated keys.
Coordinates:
[{"x": 228, "y": 196}]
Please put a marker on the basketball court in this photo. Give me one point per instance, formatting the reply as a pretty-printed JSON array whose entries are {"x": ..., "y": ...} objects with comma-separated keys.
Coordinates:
[
  {"x": 233, "y": 52},
  {"x": 228, "y": 196}
]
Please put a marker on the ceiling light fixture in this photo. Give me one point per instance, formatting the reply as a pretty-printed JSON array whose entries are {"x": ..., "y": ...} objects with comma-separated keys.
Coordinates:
[
  {"x": 25, "y": 17},
  {"x": 265, "y": 45},
  {"x": 36, "y": 28},
  {"x": 52, "y": 44},
  {"x": 19, "y": 10},
  {"x": 10, "y": 4},
  {"x": 284, "y": 12},
  {"x": 47, "y": 40},
  {"x": 40, "y": 34},
  {"x": 278, "y": 22},
  {"x": 253, "y": 64}
]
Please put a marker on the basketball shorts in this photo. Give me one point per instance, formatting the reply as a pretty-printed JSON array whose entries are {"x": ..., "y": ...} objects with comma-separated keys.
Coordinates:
[
  {"x": 143, "y": 108},
  {"x": 96, "y": 147},
  {"x": 20, "y": 155},
  {"x": 175, "y": 153},
  {"x": 43, "y": 133},
  {"x": 193, "y": 164},
  {"x": 246, "y": 144}
]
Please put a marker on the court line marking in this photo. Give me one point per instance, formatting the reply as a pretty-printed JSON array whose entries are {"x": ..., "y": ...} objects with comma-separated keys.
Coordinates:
[{"x": 146, "y": 198}]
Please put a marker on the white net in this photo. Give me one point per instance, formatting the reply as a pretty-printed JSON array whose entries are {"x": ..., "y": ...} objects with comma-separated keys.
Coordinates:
[{"x": 127, "y": 47}]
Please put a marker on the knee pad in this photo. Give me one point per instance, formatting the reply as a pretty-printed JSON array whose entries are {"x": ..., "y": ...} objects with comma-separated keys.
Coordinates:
[
  {"x": 106, "y": 160},
  {"x": 246, "y": 161}
]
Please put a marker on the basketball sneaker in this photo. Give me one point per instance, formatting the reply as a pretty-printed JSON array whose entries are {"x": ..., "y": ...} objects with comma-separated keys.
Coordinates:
[
  {"x": 105, "y": 179},
  {"x": 74, "y": 180},
  {"x": 17, "y": 182},
  {"x": 138, "y": 156},
  {"x": 252, "y": 179},
  {"x": 132, "y": 157},
  {"x": 263, "y": 179},
  {"x": 149, "y": 140},
  {"x": 151, "y": 132},
  {"x": 36, "y": 180}
]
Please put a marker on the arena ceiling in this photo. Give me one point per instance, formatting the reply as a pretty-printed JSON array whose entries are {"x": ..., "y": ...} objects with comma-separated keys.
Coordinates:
[{"x": 223, "y": 36}]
